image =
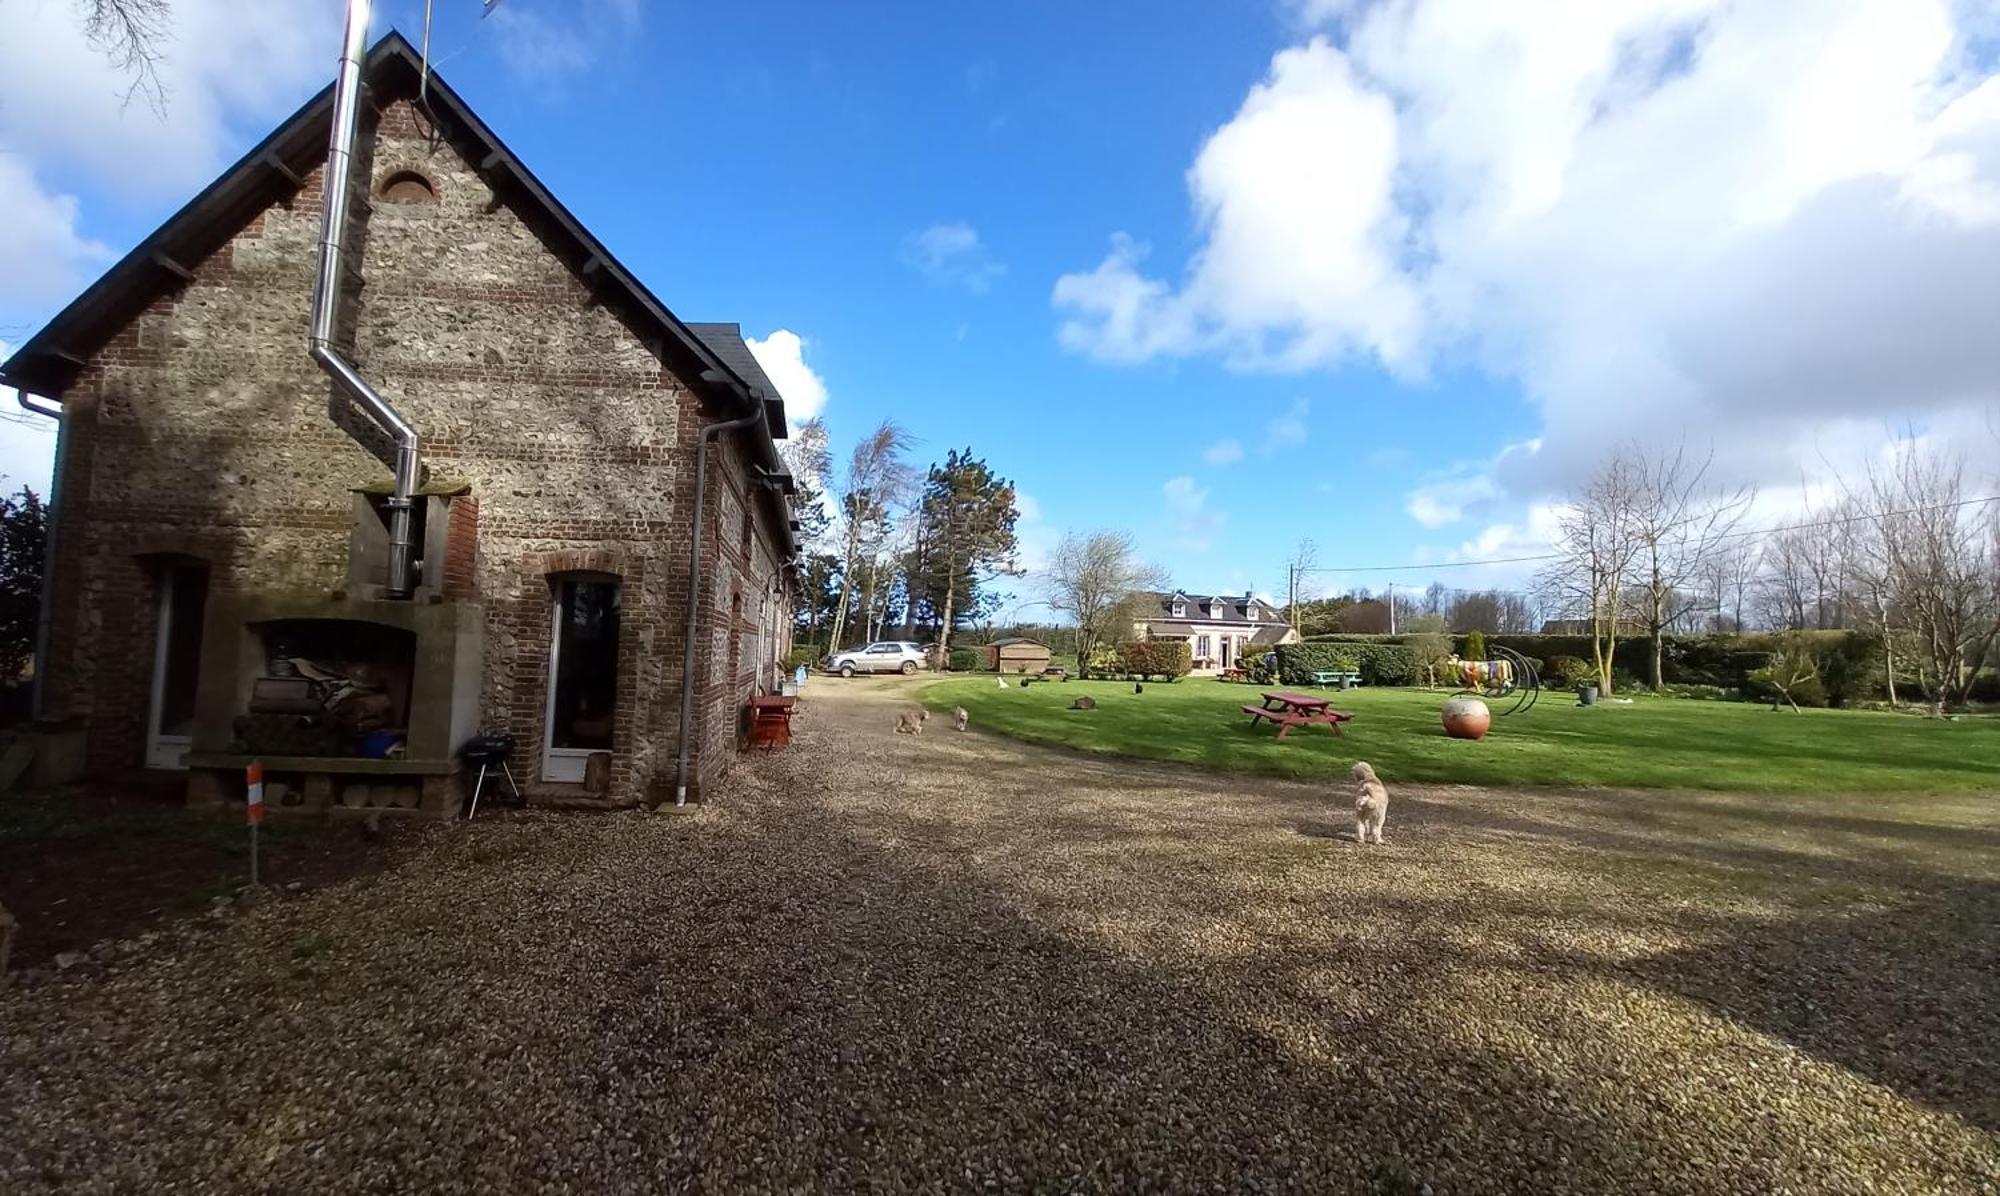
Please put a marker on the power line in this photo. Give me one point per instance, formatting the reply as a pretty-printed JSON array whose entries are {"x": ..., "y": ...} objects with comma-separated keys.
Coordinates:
[{"x": 1762, "y": 531}]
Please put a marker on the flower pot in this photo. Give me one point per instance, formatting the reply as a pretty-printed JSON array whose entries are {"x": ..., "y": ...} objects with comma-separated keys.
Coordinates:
[
  {"x": 1586, "y": 695},
  {"x": 1466, "y": 718}
]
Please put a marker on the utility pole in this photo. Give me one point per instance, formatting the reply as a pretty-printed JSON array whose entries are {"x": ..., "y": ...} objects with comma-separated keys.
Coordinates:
[{"x": 1392, "y": 608}]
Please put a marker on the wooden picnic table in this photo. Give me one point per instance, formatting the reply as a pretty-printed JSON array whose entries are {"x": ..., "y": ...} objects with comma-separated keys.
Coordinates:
[
  {"x": 1344, "y": 677},
  {"x": 1288, "y": 710}
]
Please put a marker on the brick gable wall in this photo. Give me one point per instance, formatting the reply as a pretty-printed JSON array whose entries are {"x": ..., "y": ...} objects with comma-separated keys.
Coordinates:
[{"x": 204, "y": 432}]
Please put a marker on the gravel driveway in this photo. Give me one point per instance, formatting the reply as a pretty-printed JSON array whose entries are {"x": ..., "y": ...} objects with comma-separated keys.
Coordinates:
[{"x": 949, "y": 962}]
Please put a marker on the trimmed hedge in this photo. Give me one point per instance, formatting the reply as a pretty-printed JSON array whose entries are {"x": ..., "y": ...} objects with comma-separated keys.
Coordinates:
[
  {"x": 1171, "y": 659},
  {"x": 1851, "y": 662},
  {"x": 967, "y": 660},
  {"x": 1380, "y": 662}
]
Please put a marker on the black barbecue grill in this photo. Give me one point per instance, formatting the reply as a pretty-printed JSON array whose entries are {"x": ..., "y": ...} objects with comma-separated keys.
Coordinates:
[{"x": 489, "y": 752}]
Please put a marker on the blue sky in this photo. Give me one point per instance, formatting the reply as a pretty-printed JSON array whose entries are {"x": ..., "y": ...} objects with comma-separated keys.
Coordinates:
[{"x": 1224, "y": 274}]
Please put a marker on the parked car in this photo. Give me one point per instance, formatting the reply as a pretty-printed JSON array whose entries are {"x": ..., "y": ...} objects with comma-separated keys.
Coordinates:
[{"x": 883, "y": 656}]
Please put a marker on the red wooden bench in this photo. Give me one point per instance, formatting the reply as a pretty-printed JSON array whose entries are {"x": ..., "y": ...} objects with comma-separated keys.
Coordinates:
[{"x": 1286, "y": 710}]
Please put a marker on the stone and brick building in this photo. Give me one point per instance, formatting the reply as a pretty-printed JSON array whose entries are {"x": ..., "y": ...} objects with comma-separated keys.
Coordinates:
[{"x": 215, "y": 585}]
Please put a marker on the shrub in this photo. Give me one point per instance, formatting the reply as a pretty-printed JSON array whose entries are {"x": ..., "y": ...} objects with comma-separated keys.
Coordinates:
[
  {"x": 1853, "y": 668},
  {"x": 804, "y": 654},
  {"x": 1378, "y": 661},
  {"x": 1103, "y": 660},
  {"x": 1703, "y": 693},
  {"x": 967, "y": 660},
  {"x": 1255, "y": 670},
  {"x": 1428, "y": 650},
  {"x": 1793, "y": 675},
  {"x": 1567, "y": 672},
  {"x": 1171, "y": 659},
  {"x": 1475, "y": 645}
]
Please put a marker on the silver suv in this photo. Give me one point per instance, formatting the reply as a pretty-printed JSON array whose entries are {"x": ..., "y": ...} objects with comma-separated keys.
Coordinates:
[{"x": 883, "y": 656}]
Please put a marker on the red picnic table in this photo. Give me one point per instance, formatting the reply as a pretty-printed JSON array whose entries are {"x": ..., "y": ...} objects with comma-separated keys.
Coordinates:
[
  {"x": 1290, "y": 710},
  {"x": 771, "y": 721}
]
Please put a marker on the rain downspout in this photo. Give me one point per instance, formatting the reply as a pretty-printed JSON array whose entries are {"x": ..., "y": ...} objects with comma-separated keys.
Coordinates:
[
  {"x": 339, "y": 185},
  {"x": 708, "y": 434},
  {"x": 42, "y": 616}
]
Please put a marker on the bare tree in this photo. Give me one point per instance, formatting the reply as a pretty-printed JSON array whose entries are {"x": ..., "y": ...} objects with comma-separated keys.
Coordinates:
[
  {"x": 1873, "y": 578},
  {"x": 809, "y": 460},
  {"x": 1596, "y": 543},
  {"x": 1098, "y": 580},
  {"x": 1430, "y": 650},
  {"x": 1679, "y": 521},
  {"x": 129, "y": 33},
  {"x": 1792, "y": 666},
  {"x": 877, "y": 479},
  {"x": 1941, "y": 558},
  {"x": 1726, "y": 579},
  {"x": 1304, "y": 558}
]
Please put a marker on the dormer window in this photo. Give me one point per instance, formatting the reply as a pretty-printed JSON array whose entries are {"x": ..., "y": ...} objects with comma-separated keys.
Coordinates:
[
  {"x": 1250, "y": 609},
  {"x": 1180, "y": 610}
]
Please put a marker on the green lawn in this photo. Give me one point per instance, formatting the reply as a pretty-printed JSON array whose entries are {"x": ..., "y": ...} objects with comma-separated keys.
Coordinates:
[{"x": 1659, "y": 743}]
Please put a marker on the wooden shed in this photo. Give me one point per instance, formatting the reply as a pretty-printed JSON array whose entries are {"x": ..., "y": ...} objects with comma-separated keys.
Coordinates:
[{"x": 1016, "y": 655}]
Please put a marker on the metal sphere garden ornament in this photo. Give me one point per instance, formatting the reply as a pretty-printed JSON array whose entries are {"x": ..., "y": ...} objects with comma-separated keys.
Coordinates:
[{"x": 1466, "y": 717}]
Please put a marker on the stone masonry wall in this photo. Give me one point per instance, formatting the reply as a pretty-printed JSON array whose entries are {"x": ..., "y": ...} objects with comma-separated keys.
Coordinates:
[{"x": 203, "y": 431}]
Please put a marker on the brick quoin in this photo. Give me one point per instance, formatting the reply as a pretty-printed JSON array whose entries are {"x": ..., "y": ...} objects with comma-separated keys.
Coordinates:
[{"x": 200, "y": 431}]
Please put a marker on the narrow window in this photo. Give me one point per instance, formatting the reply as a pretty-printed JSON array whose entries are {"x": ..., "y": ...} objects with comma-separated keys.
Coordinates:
[
  {"x": 176, "y": 665},
  {"x": 583, "y": 670}
]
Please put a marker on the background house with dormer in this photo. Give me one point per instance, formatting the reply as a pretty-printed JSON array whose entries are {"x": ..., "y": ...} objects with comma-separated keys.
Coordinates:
[{"x": 1220, "y": 628}]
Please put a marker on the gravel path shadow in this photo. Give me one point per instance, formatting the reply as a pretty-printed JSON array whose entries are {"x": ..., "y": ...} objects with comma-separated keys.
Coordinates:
[{"x": 945, "y": 962}]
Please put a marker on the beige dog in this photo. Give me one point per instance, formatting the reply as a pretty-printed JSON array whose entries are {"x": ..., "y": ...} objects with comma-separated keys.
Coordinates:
[
  {"x": 911, "y": 722},
  {"x": 1371, "y": 803},
  {"x": 960, "y": 716}
]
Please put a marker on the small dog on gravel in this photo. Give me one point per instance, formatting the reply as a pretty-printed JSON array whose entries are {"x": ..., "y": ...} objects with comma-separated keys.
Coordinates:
[
  {"x": 960, "y": 716},
  {"x": 911, "y": 722},
  {"x": 1371, "y": 803}
]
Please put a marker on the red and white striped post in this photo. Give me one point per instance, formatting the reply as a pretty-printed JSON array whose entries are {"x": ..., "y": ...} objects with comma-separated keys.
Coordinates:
[{"x": 253, "y": 809}]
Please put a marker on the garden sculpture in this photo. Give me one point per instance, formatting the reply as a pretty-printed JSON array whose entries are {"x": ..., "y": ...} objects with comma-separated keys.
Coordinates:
[{"x": 1504, "y": 674}]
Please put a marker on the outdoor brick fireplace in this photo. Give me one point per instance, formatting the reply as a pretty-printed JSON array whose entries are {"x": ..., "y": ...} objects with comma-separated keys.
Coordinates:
[{"x": 349, "y": 703}]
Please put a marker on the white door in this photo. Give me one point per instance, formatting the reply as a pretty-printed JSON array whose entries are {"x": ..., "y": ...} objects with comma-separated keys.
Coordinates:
[
  {"x": 583, "y": 675},
  {"x": 176, "y": 666}
]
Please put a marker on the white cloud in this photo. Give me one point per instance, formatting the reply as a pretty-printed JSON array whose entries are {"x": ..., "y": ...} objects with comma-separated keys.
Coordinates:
[
  {"x": 1224, "y": 452},
  {"x": 542, "y": 39},
  {"x": 226, "y": 69},
  {"x": 1763, "y": 223},
  {"x": 783, "y": 356},
  {"x": 1449, "y": 495},
  {"x": 72, "y": 125},
  {"x": 1289, "y": 429},
  {"x": 1435, "y": 504},
  {"x": 1295, "y": 201},
  {"x": 952, "y": 254},
  {"x": 1190, "y": 524},
  {"x": 44, "y": 260}
]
